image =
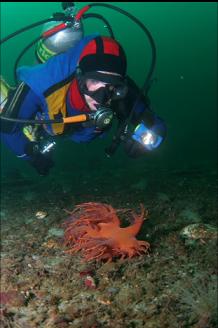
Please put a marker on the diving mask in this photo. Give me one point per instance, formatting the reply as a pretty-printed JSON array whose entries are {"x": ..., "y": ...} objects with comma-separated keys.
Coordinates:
[{"x": 115, "y": 87}]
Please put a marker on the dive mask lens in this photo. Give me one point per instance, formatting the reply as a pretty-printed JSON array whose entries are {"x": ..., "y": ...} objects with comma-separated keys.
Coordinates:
[
  {"x": 109, "y": 92},
  {"x": 115, "y": 88},
  {"x": 101, "y": 95}
]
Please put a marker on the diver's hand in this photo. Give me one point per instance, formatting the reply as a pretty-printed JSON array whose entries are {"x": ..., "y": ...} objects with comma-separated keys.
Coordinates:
[
  {"x": 41, "y": 163},
  {"x": 133, "y": 148}
]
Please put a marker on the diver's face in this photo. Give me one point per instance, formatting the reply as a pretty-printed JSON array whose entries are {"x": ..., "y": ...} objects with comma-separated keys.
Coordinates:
[{"x": 93, "y": 85}]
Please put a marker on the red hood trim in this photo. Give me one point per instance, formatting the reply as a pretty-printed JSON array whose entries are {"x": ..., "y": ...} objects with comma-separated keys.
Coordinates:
[{"x": 76, "y": 99}]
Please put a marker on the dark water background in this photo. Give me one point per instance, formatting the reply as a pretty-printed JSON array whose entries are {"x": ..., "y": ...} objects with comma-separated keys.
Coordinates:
[{"x": 185, "y": 94}]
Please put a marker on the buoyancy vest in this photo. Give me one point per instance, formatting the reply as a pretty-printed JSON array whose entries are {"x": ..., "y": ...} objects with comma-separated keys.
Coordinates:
[{"x": 50, "y": 82}]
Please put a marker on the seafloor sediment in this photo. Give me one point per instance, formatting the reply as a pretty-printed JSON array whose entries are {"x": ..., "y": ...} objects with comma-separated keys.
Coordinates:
[{"x": 174, "y": 286}]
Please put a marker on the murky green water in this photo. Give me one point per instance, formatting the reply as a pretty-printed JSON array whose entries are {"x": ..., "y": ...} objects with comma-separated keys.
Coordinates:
[{"x": 185, "y": 94}]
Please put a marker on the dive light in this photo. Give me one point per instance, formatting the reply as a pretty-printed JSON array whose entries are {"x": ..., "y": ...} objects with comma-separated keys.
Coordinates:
[{"x": 146, "y": 137}]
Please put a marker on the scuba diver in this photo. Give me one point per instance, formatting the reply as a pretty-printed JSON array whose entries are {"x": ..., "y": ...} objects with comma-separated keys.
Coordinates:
[{"x": 77, "y": 90}]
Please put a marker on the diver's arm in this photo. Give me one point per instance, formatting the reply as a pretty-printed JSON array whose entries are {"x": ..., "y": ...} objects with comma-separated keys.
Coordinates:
[
  {"x": 16, "y": 142},
  {"x": 148, "y": 130},
  {"x": 27, "y": 150},
  {"x": 24, "y": 105}
]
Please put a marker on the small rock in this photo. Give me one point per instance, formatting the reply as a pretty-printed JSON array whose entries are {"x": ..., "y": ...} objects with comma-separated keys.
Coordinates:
[
  {"x": 198, "y": 232},
  {"x": 41, "y": 215}
]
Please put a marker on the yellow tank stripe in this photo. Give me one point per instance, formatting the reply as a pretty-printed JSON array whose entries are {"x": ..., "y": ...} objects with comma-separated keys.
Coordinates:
[{"x": 43, "y": 52}]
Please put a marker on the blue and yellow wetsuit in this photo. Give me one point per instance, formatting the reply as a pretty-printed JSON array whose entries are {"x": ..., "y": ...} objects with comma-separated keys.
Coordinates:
[{"x": 47, "y": 94}]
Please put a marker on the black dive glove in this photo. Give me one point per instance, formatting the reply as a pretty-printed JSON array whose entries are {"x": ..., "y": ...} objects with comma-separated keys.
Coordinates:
[
  {"x": 133, "y": 148},
  {"x": 41, "y": 162}
]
